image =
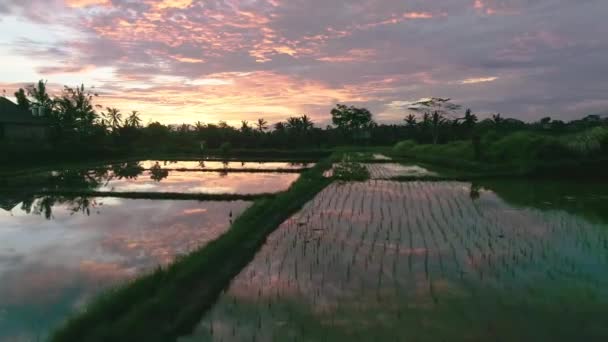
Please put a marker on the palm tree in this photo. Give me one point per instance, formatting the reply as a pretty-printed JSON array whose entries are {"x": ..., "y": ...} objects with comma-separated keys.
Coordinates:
[
  {"x": 293, "y": 124},
  {"x": 279, "y": 126},
  {"x": 133, "y": 120},
  {"x": 306, "y": 123},
  {"x": 114, "y": 118},
  {"x": 437, "y": 120},
  {"x": 245, "y": 127},
  {"x": 262, "y": 125},
  {"x": 199, "y": 126},
  {"x": 497, "y": 119},
  {"x": 470, "y": 119},
  {"x": 410, "y": 121}
]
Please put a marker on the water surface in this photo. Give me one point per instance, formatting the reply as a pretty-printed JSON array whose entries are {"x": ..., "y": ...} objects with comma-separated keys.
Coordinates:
[
  {"x": 57, "y": 253},
  {"x": 427, "y": 261}
]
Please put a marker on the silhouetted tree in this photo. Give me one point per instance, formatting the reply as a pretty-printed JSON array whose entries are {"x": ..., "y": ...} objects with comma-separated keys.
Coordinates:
[
  {"x": 22, "y": 100},
  {"x": 133, "y": 120},
  {"x": 262, "y": 125}
]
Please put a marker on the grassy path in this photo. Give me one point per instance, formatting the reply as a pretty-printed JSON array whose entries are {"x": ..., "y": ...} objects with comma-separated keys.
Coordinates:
[{"x": 169, "y": 302}]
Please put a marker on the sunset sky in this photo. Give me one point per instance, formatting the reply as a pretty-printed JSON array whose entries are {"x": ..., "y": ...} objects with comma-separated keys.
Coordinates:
[{"x": 186, "y": 60}]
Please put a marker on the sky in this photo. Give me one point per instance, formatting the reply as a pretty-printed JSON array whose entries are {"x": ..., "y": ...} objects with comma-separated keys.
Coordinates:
[{"x": 179, "y": 61}]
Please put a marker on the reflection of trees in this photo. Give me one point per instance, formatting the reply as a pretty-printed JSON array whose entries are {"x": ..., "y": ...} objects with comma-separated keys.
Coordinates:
[
  {"x": 128, "y": 170},
  {"x": 587, "y": 199},
  {"x": 44, "y": 205},
  {"x": 157, "y": 173}
]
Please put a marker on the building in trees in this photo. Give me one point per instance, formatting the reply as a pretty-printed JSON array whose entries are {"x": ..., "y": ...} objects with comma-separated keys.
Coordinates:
[{"x": 18, "y": 124}]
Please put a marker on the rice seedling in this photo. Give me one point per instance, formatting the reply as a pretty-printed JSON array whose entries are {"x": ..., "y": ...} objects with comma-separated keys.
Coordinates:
[{"x": 396, "y": 261}]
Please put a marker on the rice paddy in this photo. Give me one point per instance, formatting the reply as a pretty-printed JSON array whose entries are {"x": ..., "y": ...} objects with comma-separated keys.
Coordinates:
[
  {"x": 57, "y": 254},
  {"x": 197, "y": 182},
  {"x": 419, "y": 261}
]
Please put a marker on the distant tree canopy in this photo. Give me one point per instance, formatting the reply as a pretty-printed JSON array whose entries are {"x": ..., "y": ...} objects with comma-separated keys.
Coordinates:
[
  {"x": 351, "y": 118},
  {"x": 76, "y": 121}
]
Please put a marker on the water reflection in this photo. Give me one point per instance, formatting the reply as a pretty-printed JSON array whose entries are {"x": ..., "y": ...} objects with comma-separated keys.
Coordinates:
[
  {"x": 426, "y": 261},
  {"x": 51, "y": 267},
  {"x": 197, "y": 182},
  {"x": 224, "y": 164},
  {"x": 133, "y": 177}
]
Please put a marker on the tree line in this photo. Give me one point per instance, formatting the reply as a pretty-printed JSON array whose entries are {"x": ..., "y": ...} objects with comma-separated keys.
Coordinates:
[{"x": 73, "y": 116}]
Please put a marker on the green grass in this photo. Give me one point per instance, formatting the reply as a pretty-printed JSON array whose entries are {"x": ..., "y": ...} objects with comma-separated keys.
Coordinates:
[{"x": 169, "y": 302}]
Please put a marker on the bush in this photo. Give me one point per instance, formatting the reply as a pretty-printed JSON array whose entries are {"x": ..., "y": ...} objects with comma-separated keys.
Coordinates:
[
  {"x": 590, "y": 142},
  {"x": 404, "y": 146},
  {"x": 225, "y": 148},
  {"x": 348, "y": 170}
]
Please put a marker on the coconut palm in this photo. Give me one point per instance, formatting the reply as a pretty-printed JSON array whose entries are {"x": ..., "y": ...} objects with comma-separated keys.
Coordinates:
[
  {"x": 439, "y": 107},
  {"x": 113, "y": 118},
  {"x": 410, "y": 121},
  {"x": 133, "y": 120},
  {"x": 262, "y": 125}
]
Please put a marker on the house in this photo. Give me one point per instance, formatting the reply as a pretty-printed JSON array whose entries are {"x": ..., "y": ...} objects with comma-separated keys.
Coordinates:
[{"x": 17, "y": 124}]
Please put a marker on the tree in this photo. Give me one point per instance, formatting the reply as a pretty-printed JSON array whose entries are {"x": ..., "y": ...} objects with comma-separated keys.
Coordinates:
[
  {"x": 438, "y": 108},
  {"x": 410, "y": 121},
  {"x": 114, "y": 118},
  {"x": 75, "y": 110},
  {"x": 133, "y": 120},
  {"x": 351, "y": 118},
  {"x": 469, "y": 118},
  {"x": 262, "y": 125},
  {"x": 497, "y": 119},
  {"x": 306, "y": 123},
  {"x": 279, "y": 126},
  {"x": 22, "y": 100},
  {"x": 245, "y": 128},
  {"x": 40, "y": 96}
]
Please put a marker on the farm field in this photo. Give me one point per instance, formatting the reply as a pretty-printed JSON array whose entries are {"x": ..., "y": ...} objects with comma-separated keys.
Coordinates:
[
  {"x": 424, "y": 261},
  {"x": 219, "y": 165},
  {"x": 198, "y": 182}
]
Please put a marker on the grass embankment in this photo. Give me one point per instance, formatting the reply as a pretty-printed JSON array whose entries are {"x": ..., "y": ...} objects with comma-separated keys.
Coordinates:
[{"x": 169, "y": 302}]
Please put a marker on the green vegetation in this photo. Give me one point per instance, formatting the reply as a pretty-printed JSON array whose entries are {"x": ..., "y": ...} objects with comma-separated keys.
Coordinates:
[
  {"x": 348, "y": 170},
  {"x": 173, "y": 299},
  {"x": 519, "y": 152}
]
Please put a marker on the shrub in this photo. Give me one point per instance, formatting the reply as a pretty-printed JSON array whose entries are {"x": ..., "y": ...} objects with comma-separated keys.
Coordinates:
[
  {"x": 404, "y": 146},
  {"x": 348, "y": 170},
  {"x": 589, "y": 142},
  {"x": 225, "y": 148}
]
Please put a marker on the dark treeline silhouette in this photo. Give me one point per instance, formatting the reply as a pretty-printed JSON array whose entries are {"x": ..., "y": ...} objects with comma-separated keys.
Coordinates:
[{"x": 76, "y": 123}]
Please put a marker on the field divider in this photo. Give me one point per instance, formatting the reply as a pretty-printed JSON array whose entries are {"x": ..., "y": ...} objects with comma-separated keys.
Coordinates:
[
  {"x": 156, "y": 195},
  {"x": 169, "y": 302}
]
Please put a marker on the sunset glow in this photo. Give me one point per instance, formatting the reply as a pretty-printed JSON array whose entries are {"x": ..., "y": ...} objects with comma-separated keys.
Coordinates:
[{"x": 195, "y": 60}]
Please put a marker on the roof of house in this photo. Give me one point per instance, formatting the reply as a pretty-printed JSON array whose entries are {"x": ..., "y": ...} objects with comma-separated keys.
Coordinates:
[{"x": 12, "y": 113}]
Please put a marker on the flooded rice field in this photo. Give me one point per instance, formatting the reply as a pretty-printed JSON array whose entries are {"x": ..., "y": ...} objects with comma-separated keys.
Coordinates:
[
  {"x": 57, "y": 253},
  {"x": 201, "y": 182},
  {"x": 219, "y": 165},
  {"x": 426, "y": 261},
  {"x": 135, "y": 177}
]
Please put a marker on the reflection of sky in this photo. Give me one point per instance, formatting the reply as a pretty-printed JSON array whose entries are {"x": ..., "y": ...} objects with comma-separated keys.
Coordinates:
[
  {"x": 364, "y": 253},
  {"x": 50, "y": 267},
  {"x": 205, "y": 182},
  {"x": 198, "y": 165}
]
